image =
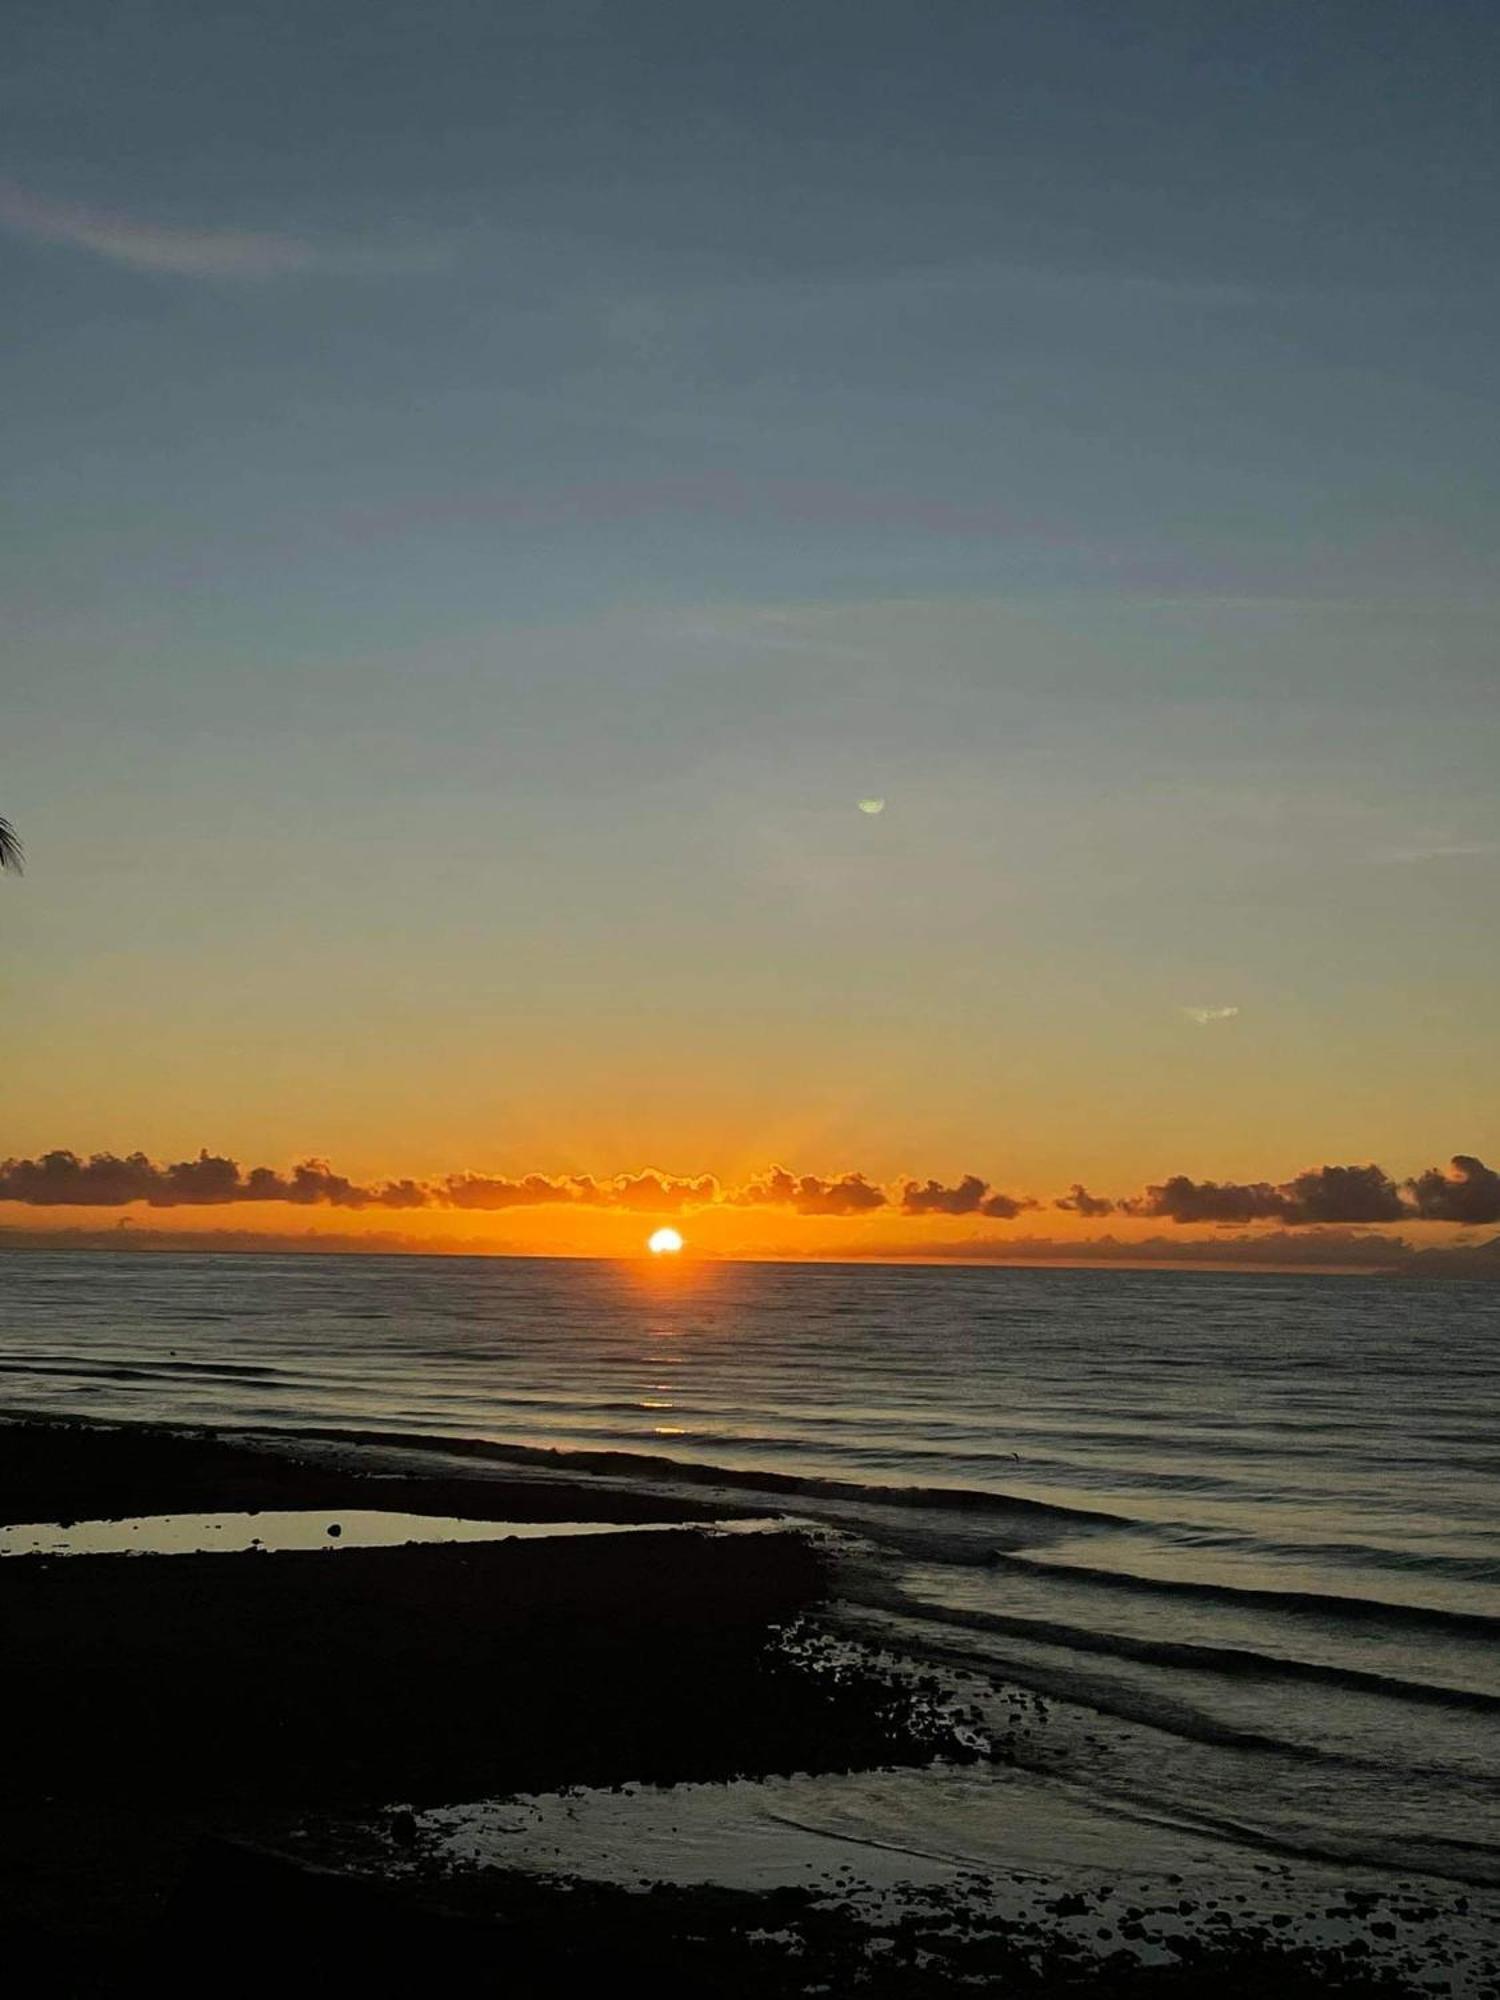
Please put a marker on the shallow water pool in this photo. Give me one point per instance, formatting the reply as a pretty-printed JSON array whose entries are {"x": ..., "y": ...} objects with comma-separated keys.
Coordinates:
[{"x": 303, "y": 1528}]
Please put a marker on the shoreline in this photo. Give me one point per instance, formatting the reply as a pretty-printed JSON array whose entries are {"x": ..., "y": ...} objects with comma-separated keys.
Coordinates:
[
  {"x": 105, "y": 1467},
  {"x": 537, "y": 1470},
  {"x": 317, "y": 1735}
]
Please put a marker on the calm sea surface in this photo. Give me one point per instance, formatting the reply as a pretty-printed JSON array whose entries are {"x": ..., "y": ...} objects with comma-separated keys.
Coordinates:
[{"x": 1251, "y": 1522}]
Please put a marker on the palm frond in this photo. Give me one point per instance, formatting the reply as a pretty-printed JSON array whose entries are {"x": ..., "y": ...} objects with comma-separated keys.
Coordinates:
[{"x": 12, "y": 853}]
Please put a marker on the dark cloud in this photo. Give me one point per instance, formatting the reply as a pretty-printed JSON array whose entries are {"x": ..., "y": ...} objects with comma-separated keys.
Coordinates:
[
  {"x": 125, "y": 1235},
  {"x": 935, "y": 1199},
  {"x": 314, "y": 1184},
  {"x": 1342, "y": 1194},
  {"x": 106, "y": 1180},
  {"x": 1078, "y": 1201},
  {"x": 403, "y": 1194},
  {"x": 62, "y": 1179},
  {"x": 209, "y": 1178},
  {"x": 971, "y": 1196},
  {"x": 497, "y": 1191},
  {"x": 1469, "y": 1192},
  {"x": 1183, "y": 1200},
  {"x": 808, "y": 1194},
  {"x": 1005, "y": 1206},
  {"x": 649, "y": 1193},
  {"x": 1321, "y": 1195}
]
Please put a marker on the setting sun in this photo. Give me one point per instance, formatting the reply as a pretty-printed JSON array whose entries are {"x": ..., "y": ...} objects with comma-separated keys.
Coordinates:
[{"x": 665, "y": 1243}]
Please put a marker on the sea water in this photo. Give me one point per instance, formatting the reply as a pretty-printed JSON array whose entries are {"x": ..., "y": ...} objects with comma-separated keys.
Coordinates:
[{"x": 1241, "y": 1532}]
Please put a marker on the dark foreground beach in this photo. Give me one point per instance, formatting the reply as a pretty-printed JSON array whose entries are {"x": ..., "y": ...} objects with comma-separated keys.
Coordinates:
[{"x": 226, "y": 1769}]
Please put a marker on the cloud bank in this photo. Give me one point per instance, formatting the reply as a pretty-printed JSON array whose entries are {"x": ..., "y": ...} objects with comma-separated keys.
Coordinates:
[{"x": 1466, "y": 1192}]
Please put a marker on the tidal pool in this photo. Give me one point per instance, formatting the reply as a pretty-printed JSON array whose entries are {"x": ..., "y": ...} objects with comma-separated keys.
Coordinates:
[{"x": 303, "y": 1528}]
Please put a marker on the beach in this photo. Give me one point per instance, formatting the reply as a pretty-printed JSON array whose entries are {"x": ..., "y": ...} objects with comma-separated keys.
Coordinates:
[
  {"x": 750, "y": 913},
  {"x": 653, "y": 1749}
]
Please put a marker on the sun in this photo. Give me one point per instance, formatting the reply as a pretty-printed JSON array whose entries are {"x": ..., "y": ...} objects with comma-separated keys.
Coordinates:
[{"x": 665, "y": 1243}]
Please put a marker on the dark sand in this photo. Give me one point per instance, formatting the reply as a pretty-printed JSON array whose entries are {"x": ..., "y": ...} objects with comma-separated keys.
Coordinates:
[{"x": 177, "y": 1725}]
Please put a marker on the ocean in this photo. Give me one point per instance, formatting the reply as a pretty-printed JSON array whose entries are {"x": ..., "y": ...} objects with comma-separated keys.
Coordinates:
[{"x": 1241, "y": 1533}]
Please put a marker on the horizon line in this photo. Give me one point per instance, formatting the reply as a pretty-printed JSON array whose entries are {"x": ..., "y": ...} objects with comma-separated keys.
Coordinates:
[{"x": 1416, "y": 1265}]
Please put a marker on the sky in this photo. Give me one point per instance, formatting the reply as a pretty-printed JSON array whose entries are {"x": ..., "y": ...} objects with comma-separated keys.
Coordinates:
[{"x": 496, "y": 494}]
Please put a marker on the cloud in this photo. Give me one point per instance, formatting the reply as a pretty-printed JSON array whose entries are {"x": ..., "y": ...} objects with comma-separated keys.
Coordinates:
[
  {"x": 649, "y": 1193},
  {"x": 122, "y": 1236},
  {"x": 1342, "y": 1194},
  {"x": 230, "y": 255},
  {"x": 807, "y": 1194},
  {"x": 1203, "y": 1016},
  {"x": 1183, "y": 1200},
  {"x": 315, "y": 1184},
  {"x": 1469, "y": 1192},
  {"x": 106, "y": 1180},
  {"x": 491, "y": 1191},
  {"x": 1319, "y": 1197},
  {"x": 972, "y": 1196},
  {"x": 1078, "y": 1201},
  {"x": 63, "y": 1178}
]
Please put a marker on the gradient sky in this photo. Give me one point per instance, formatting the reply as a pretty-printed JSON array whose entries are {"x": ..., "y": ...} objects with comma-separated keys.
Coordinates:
[{"x": 490, "y": 488}]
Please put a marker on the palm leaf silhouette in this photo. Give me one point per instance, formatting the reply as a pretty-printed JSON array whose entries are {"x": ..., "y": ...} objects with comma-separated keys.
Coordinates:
[{"x": 11, "y": 851}]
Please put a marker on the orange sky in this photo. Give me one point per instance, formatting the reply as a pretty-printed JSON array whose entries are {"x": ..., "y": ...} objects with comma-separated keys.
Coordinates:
[
  {"x": 868, "y": 605},
  {"x": 758, "y": 1219}
]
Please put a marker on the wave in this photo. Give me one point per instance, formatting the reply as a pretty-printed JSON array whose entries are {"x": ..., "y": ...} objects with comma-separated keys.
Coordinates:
[
  {"x": 979, "y": 1505},
  {"x": 1242, "y": 1661},
  {"x": 1298, "y": 1603},
  {"x": 913, "y": 1630},
  {"x": 1467, "y": 1861},
  {"x": 649, "y": 1465},
  {"x": 975, "y": 1503},
  {"x": 133, "y": 1371},
  {"x": 130, "y": 1372}
]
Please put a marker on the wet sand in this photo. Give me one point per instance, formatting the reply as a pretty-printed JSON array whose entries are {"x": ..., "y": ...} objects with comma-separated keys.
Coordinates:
[
  {"x": 222, "y": 1770},
  {"x": 156, "y": 1702},
  {"x": 60, "y": 1470}
]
